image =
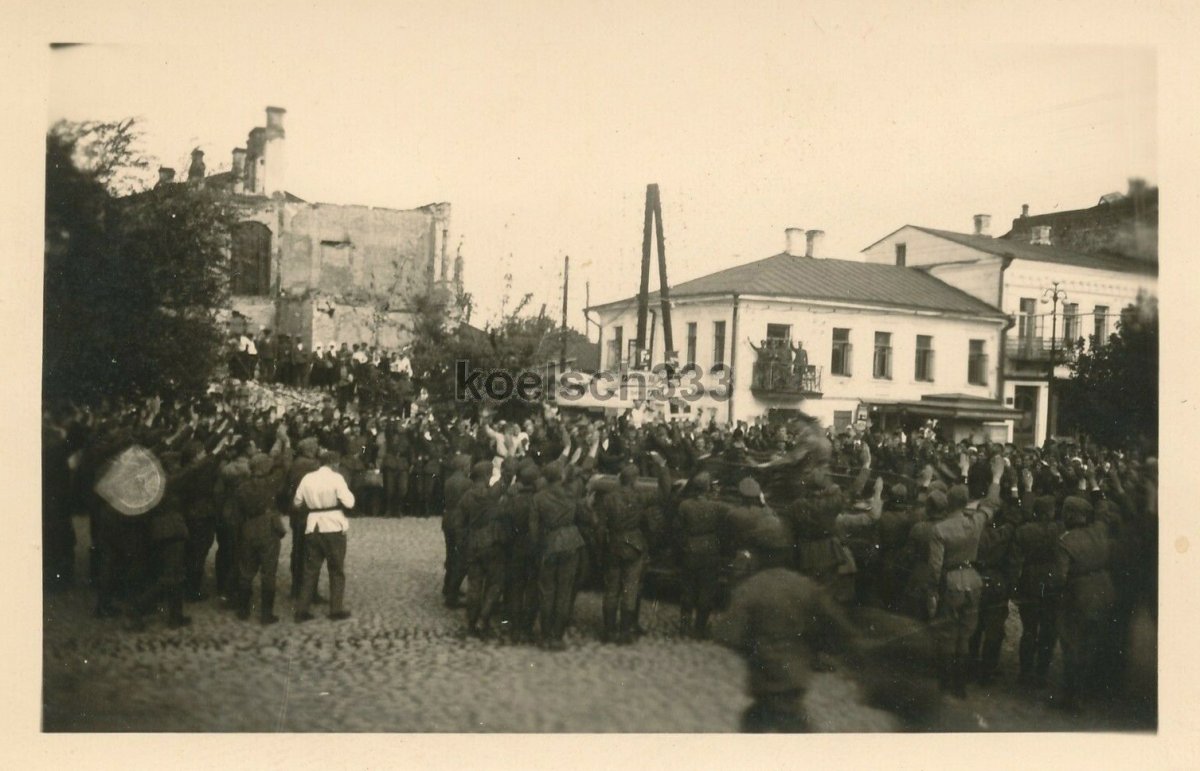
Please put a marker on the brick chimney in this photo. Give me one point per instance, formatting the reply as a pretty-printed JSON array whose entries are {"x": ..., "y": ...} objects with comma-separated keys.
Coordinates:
[
  {"x": 983, "y": 225},
  {"x": 166, "y": 175},
  {"x": 1040, "y": 235},
  {"x": 254, "y": 161},
  {"x": 196, "y": 170},
  {"x": 273, "y": 159},
  {"x": 239, "y": 170},
  {"x": 794, "y": 238},
  {"x": 815, "y": 245},
  {"x": 1137, "y": 186},
  {"x": 1024, "y": 210}
]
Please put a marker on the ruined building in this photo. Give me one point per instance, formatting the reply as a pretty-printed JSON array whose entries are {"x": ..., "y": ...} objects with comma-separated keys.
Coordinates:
[{"x": 324, "y": 273}]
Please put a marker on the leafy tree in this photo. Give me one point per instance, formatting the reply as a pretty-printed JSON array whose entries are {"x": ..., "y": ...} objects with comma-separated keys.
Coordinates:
[
  {"x": 133, "y": 282},
  {"x": 1112, "y": 395},
  {"x": 510, "y": 343}
]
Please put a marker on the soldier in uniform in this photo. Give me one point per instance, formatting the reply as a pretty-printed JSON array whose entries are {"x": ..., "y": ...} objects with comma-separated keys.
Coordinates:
[
  {"x": 197, "y": 486},
  {"x": 699, "y": 525},
  {"x": 231, "y": 474},
  {"x": 168, "y": 538},
  {"x": 260, "y": 531},
  {"x": 996, "y": 566},
  {"x": 778, "y": 620},
  {"x": 479, "y": 511},
  {"x": 953, "y": 549},
  {"x": 1085, "y": 620},
  {"x": 554, "y": 528},
  {"x": 521, "y": 576},
  {"x": 1038, "y": 589},
  {"x": 453, "y": 531},
  {"x": 626, "y": 523},
  {"x": 820, "y": 554},
  {"x": 395, "y": 467}
]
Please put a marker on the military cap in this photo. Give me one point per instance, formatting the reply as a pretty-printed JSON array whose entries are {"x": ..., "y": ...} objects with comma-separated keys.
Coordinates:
[
  {"x": 629, "y": 473},
  {"x": 899, "y": 492},
  {"x": 1043, "y": 508},
  {"x": 748, "y": 488},
  {"x": 938, "y": 485},
  {"x": 308, "y": 446},
  {"x": 481, "y": 470},
  {"x": 1076, "y": 511},
  {"x": 958, "y": 496},
  {"x": 937, "y": 503},
  {"x": 261, "y": 464},
  {"x": 700, "y": 482},
  {"x": 527, "y": 473},
  {"x": 553, "y": 472}
]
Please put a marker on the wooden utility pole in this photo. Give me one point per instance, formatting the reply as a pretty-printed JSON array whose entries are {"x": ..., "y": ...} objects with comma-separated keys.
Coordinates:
[
  {"x": 562, "y": 358},
  {"x": 663, "y": 290},
  {"x": 644, "y": 290},
  {"x": 653, "y": 218}
]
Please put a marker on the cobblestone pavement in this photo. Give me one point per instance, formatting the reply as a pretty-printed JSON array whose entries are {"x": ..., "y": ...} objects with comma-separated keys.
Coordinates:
[{"x": 402, "y": 663}]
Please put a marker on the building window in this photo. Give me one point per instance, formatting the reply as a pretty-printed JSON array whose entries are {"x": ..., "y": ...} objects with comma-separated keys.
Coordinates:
[
  {"x": 924, "y": 370},
  {"x": 250, "y": 252},
  {"x": 779, "y": 331},
  {"x": 841, "y": 352},
  {"x": 1071, "y": 331},
  {"x": 691, "y": 343},
  {"x": 841, "y": 420},
  {"x": 1028, "y": 323},
  {"x": 1101, "y": 322},
  {"x": 718, "y": 343},
  {"x": 902, "y": 254},
  {"x": 614, "y": 348},
  {"x": 977, "y": 364},
  {"x": 883, "y": 356}
]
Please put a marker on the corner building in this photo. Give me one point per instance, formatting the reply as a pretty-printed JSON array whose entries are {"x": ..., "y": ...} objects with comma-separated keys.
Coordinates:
[{"x": 888, "y": 344}]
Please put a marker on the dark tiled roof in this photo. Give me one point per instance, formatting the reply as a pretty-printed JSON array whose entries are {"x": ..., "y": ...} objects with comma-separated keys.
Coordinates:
[
  {"x": 1021, "y": 250},
  {"x": 809, "y": 278}
]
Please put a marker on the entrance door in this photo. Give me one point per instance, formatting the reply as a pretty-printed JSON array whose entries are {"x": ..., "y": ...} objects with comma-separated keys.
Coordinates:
[{"x": 1025, "y": 399}]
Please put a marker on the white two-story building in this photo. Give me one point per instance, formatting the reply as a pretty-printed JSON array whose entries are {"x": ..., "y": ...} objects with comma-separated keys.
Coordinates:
[
  {"x": 1017, "y": 274},
  {"x": 839, "y": 340}
]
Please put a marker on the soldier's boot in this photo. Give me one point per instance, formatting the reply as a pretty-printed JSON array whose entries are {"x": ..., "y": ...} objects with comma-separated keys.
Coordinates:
[
  {"x": 959, "y": 676},
  {"x": 625, "y": 636},
  {"x": 945, "y": 679},
  {"x": 609, "y": 634},
  {"x": 175, "y": 617},
  {"x": 267, "y": 612},
  {"x": 243, "y": 604}
]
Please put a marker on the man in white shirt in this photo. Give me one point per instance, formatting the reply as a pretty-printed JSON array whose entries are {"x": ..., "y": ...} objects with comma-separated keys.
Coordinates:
[{"x": 325, "y": 495}]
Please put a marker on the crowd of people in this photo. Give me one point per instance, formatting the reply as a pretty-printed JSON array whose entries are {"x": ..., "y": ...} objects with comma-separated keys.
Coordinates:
[
  {"x": 534, "y": 510},
  {"x": 360, "y": 372}
]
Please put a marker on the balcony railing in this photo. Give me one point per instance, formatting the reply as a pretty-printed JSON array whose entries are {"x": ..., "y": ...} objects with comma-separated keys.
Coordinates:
[
  {"x": 783, "y": 370},
  {"x": 1037, "y": 349}
]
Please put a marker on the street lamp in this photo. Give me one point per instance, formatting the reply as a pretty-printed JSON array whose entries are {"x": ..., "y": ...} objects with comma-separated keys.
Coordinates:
[{"x": 1052, "y": 295}]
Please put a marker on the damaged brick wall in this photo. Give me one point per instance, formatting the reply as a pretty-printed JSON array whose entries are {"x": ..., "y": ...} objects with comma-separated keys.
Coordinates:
[{"x": 346, "y": 273}]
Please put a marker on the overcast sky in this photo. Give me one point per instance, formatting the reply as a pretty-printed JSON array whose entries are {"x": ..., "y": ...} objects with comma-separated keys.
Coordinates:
[{"x": 542, "y": 130}]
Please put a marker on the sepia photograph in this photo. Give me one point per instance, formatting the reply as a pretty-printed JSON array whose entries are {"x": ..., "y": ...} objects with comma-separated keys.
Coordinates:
[{"x": 535, "y": 370}]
